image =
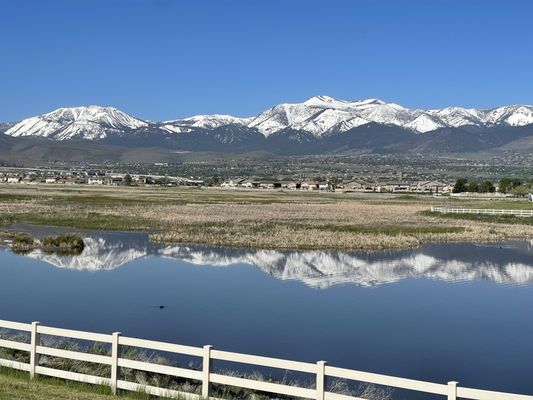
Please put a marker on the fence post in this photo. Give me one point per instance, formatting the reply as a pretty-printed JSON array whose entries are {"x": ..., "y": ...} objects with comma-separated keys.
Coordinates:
[
  {"x": 206, "y": 371},
  {"x": 115, "y": 354},
  {"x": 320, "y": 380},
  {"x": 452, "y": 390},
  {"x": 35, "y": 341}
]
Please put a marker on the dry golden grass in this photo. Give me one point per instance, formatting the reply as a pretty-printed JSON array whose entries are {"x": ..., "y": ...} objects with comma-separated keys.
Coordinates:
[{"x": 263, "y": 219}]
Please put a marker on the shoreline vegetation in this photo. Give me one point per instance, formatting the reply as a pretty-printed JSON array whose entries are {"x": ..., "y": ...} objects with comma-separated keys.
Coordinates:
[
  {"x": 184, "y": 385},
  {"x": 69, "y": 244},
  {"x": 267, "y": 219}
]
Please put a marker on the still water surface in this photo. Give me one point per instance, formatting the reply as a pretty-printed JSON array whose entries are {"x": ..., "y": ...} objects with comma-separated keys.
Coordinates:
[{"x": 440, "y": 312}]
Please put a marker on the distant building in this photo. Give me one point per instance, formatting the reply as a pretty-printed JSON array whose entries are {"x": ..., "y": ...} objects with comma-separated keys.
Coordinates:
[
  {"x": 95, "y": 180},
  {"x": 292, "y": 185},
  {"x": 114, "y": 180},
  {"x": 248, "y": 184},
  {"x": 309, "y": 185},
  {"x": 324, "y": 185},
  {"x": 357, "y": 185},
  {"x": 269, "y": 185},
  {"x": 14, "y": 179},
  {"x": 397, "y": 187}
]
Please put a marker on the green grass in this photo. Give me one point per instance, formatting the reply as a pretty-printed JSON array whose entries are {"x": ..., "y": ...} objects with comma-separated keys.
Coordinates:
[
  {"x": 499, "y": 219},
  {"x": 519, "y": 204},
  {"x": 16, "y": 385},
  {"x": 82, "y": 221}
]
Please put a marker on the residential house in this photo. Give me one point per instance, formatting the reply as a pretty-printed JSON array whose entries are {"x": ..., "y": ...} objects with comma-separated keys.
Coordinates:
[
  {"x": 248, "y": 184},
  {"x": 397, "y": 186},
  {"x": 232, "y": 183},
  {"x": 432, "y": 187},
  {"x": 292, "y": 185},
  {"x": 95, "y": 180},
  {"x": 324, "y": 185},
  {"x": 114, "y": 180},
  {"x": 14, "y": 179},
  {"x": 358, "y": 186},
  {"x": 309, "y": 185},
  {"x": 269, "y": 185},
  {"x": 30, "y": 180}
]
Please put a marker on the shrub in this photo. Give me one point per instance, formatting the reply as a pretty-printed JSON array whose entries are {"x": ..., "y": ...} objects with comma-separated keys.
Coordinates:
[
  {"x": 70, "y": 244},
  {"x": 22, "y": 243}
]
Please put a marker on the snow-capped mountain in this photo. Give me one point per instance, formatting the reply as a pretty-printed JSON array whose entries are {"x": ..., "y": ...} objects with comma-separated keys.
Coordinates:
[
  {"x": 318, "y": 125},
  {"x": 4, "y": 126},
  {"x": 323, "y": 115},
  {"x": 319, "y": 115},
  {"x": 204, "y": 122},
  {"x": 92, "y": 122}
]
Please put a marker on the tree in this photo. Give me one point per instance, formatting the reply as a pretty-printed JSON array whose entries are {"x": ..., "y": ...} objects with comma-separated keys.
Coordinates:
[
  {"x": 505, "y": 185},
  {"x": 487, "y": 187},
  {"x": 472, "y": 187},
  {"x": 508, "y": 184},
  {"x": 164, "y": 181},
  {"x": 128, "y": 180},
  {"x": 460, "y": 185},
  {"x": 521, "y": 190}
]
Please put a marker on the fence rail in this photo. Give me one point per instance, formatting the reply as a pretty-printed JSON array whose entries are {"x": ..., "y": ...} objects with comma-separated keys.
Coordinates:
[
  {"x": 487, "y": 211},
  {"x": 321, "y": 371}
]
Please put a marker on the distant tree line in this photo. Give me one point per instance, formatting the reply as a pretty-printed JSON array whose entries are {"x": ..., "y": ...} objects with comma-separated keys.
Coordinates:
[
  {"x": 514, "y": 186},
  {"x": 464, "y": 185}
]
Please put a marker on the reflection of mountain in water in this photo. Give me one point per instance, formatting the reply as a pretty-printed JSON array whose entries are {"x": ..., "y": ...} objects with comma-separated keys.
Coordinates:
[
  {"x": 98, "y": 254},
  {"x": 510, "y": 264}
]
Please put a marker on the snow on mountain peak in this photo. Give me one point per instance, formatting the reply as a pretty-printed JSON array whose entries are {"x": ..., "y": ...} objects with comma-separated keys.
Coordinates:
[
  {"x": 207, "y": 121},
  {"x": 318, "y": 115},
  {"x": 322, "y": 115},
  {"x": 87, "y": 122},
  {"x": 321, "y": 100}
]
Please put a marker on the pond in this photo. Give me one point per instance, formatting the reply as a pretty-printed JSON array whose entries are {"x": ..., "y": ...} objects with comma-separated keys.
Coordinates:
[{"x": 439, "y": 312}]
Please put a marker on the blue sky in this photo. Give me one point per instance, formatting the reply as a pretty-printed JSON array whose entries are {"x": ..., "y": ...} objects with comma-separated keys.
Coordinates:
[{"x": 164, "y": 59}]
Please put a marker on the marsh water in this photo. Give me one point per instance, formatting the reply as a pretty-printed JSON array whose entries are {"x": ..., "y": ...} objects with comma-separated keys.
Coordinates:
[{"x": 439, "y": 312}]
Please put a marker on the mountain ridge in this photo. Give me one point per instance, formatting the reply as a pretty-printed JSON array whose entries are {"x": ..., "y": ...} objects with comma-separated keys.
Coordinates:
[
  {"x": 317, "y": 125},
  {"x": 317, "y": 115}
]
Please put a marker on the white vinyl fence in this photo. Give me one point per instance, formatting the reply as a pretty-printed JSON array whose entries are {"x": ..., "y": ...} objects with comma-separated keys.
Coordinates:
[
  {"x": 488, "y": 211},
  {"x": 206, "y": 376}
]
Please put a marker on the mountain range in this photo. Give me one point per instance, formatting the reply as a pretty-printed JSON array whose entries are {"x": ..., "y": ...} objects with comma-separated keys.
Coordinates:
[{"x": 318, "y": 125}]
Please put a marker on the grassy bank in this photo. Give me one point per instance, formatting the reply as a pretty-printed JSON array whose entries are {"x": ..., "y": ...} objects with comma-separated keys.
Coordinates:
[
  {"x": 486, "y": 218},
  {"x": 256, "y": 218},
  {"x": 16, "y": 385}
]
